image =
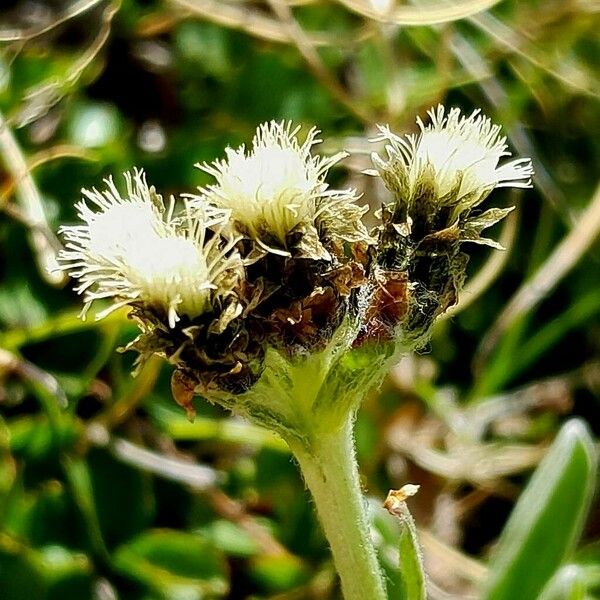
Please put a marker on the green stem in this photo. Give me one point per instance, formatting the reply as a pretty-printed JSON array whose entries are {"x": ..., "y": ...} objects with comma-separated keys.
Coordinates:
[{"x": 331, "y": 474}]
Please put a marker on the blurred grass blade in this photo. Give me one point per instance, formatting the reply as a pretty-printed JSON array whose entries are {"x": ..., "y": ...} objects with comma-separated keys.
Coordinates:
[
  {"x": 531, "y": 348},
  {"x": 78, "y": 477},
  {"x": 44, "y": 243},
  {"x": 547, "y": 520},
  {"x": 173, "y": 564},
  {"x": 567, "y": 584},
  {"x": 584, "y": 308},
  {"x": 562, "y": 260},
  {"x": 423, "y": 14}
]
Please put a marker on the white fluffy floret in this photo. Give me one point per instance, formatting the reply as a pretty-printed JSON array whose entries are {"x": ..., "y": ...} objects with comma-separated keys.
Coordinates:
[
  {"x": 132, "y": 250},
  {"x": 460, "y": 154},
  {"x": 275, "y": 186}
]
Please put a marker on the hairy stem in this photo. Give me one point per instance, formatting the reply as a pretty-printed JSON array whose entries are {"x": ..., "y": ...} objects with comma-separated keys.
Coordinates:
[{"x": 331, "y": 474}]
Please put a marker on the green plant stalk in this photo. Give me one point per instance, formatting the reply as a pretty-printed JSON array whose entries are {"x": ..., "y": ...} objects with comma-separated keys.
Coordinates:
[{"x": 330, "y": 471}]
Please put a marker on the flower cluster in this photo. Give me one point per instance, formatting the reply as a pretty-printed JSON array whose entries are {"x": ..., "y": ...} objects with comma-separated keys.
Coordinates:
[{"x": 269, "y": 259}]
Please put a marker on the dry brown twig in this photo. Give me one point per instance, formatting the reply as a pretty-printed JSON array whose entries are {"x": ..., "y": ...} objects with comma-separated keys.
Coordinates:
[
  {"x": 11, "y": 363},
  {"x": 253, "y": 22},
  {"x": 37, "y": 160},
  {"x": 452, "y": 559},
  {"x": 429, "y": 14},
  {"x": 71, "y": 12},
  {"x": 199, "y": 478},
  {"x": 44, "y": 243},
  {"x": 467, "y": 54},
  {"x": 42, "y": 98},
  {"x": 514, "y": 43},
  {"x": 234, "y": 511}
]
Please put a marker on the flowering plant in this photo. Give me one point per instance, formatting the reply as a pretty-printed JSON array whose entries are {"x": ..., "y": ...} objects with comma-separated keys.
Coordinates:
[{"x": 268, "y": 295}]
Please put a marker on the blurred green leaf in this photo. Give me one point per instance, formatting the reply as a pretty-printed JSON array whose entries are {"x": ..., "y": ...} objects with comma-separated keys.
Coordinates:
[
  {"x": 19, "y": 305},
  {"x": 8, "y": 470},
  {"x": 35, "y": 437},
  {"x": 547, "y": 520},
  {"x": 230, "y": 538},
  {"x": 78, "y": 477},
  {"x": 43, "y": 516},
  {"x": 94, "y": 125},
  {"x": 278, "y": 573},
  {"x": 124, "y": 510},
  {"x": 175, "y": 565},
  {"x": 588, "y": 560},
  {"x": 568, "y": 583},
  {"x": 206, "y": 45},
  {"x": 51, "y": 573},
  {"x": 173, "y": 421},
  {"x": 545, "y": 338}
]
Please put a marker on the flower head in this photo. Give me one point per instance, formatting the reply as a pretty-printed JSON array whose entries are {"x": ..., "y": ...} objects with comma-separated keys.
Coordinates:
[
  {"x": 438, "y": 178},
  {"x": 135, "y": 251},
  {"x": 280, "y": 185},
  {"x": 456, "y": 155}
]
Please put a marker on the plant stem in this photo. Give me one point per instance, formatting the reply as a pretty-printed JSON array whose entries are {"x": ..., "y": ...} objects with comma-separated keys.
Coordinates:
[{"x": 331, "y": 474}]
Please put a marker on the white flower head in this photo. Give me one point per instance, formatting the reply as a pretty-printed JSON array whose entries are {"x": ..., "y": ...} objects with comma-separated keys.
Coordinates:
[
  {"x": 277, "y": 185},
  {"x": 458, "y": 155},
  {"x": 135, "y": 251}
]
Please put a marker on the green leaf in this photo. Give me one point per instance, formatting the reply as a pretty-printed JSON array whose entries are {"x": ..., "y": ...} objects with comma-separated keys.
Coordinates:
[
  {"x": 20, "y": 573},
  {"x": 399, "y": 552},
  {"x": 8, "y": 468},
  {"x": 80, "y": 487},
  {"x": 174, "y": 565},
  {"x": 588, "y": 559},
  {"x": 231, "y": 538},
  {"x": 411, "y": 564},
  {"x": 124, "y": 510},
  {"x": 386, "y": 544},
  {"x": 582, "y": 310},
  {"x": 46, "y": 516},
  {"x": 51, "y": 573},
  {"x": 33, "y": 438},
  {"x": 547, "y": 520}
]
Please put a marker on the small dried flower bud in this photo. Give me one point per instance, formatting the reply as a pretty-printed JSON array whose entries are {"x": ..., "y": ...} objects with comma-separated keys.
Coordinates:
[
  {"x": 395, "y": 501},
  {"x": 278, "y": 188}
]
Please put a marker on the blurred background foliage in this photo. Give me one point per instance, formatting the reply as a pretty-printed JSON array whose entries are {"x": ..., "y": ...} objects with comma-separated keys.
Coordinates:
[{"x": 107, "y": 491}]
